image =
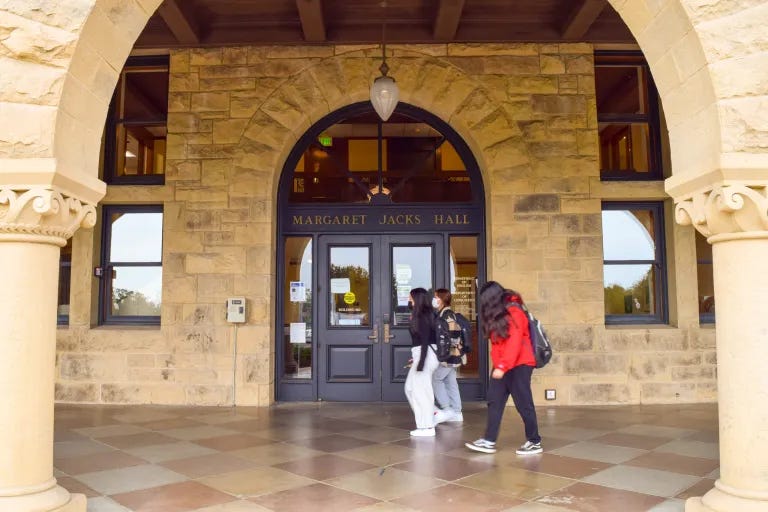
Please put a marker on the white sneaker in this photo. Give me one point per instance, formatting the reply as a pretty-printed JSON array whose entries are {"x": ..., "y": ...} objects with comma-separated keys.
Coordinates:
[
  {"x": 456, "y": 417},
  {"x": 423, "y": 432},
  {"x": 443, "y": 415}
]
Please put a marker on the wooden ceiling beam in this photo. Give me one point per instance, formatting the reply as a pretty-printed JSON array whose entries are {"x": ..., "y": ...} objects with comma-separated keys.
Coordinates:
[
  {"x": 582, "y": 17},
  {"x": 312, "y": 21},
  {"x": 447, "y": 19},
  {"x": 182, "y": 23}
]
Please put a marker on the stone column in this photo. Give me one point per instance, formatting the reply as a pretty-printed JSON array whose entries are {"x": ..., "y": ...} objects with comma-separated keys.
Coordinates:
[
  {"x": 734, "y": 217},
  {"x": 34, "y": 224}
]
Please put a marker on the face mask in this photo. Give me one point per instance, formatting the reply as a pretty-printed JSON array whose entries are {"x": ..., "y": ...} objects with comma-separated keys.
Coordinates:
[
  {"x": 410, "y": 306},
  {"x": 435, "y": 303}
]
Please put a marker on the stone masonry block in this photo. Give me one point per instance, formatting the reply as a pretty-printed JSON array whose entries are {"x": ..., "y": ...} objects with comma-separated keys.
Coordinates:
[
  {"x": 655, "y": 365},
  {"x": 77, "y": 392},
  {"x": 556, "y": 104},
  {"x": 585, "y": 246},
  {"x": 667, "y": 392},
  {"x": 588, "y": 394},
  {"x": 603, "y": 364},
  {"x": 210, "y": 102},
  {"x": 644, "y": 340},
  {"x": 538, "y": 203},
  {"x": 219, "y": 260},
  {"x": 572, "y": 338}
]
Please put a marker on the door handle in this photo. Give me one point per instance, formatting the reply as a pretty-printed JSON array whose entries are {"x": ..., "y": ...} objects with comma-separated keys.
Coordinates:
[
  {"x": 387, "y": 335},
  {"x": 375, "y": 334}
]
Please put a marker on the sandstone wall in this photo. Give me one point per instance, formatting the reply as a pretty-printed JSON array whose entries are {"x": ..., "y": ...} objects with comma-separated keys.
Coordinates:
[{"x": 528, "y": 113}]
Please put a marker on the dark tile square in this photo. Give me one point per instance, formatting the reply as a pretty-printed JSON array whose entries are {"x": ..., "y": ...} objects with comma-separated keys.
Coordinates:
[
  {"x": 444, "y": 467},
  {"x": 332, "y": 443},
  {"x": 315, "y": 498},
  {"x": 593, "y": 498},
  {"x": 324, "y": 467},
  {"x": 181, "y": 497}
]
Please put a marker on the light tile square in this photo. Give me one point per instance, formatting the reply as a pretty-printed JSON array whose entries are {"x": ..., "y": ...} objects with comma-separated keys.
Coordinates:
[
  {"x": 134, "y": 478},
  {"x": 385, "y": 483},
  {"x": 66, "y": 449},
  {"x": 691, "y": 449},
  {"x": 255, "y": 482},
  {"x": 104, "y": 504},
  {"x": 599, "y": 452},
  {"x": 201, "y": 432},
  {"x": 643, "y": 480},
  {"x": 518, "y": 483},
  {"x": 670, "y": 506},
  {"x": 234, "y": 506},
  {"x": 110, "y": 430},
  {"x": 656, "y": 431},
  {"x": 570, "y": 433},
  {"x": 171, "y": 451}
]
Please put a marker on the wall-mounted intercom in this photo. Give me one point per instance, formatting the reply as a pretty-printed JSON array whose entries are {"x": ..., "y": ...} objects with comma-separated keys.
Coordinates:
[{"x": 236, "y": 310}]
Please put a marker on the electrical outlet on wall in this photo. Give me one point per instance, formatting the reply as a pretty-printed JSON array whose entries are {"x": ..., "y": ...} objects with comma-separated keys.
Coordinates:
[{"x": 550, "y": 394}]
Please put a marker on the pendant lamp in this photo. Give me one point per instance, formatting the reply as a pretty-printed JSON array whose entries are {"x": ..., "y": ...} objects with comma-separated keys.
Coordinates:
[{"x": 384, "y": 92}]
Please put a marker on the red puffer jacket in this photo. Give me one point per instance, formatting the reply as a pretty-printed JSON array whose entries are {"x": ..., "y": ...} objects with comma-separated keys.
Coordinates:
[{"x": 516, "y": 349}]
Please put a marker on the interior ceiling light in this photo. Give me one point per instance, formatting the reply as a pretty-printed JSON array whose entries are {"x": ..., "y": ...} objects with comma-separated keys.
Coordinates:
[{"x": 384, "y": 92}]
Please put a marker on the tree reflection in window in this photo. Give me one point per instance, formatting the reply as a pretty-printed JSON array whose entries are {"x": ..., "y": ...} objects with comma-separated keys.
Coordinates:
[
  {"x": 633, "y": 262},
  {"x": 350, "y": 307}
]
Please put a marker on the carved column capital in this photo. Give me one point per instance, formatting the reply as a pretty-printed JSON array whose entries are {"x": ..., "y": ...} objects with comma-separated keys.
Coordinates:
[
  {"x": 726, "y": 211},
  {"x": 42, "y": 214}
]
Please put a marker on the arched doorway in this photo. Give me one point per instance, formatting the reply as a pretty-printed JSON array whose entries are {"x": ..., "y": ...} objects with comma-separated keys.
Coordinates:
[{"x": 366, "y": 212}]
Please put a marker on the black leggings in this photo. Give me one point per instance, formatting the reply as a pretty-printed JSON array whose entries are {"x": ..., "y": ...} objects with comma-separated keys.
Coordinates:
[{"x": 516, "y": 382}]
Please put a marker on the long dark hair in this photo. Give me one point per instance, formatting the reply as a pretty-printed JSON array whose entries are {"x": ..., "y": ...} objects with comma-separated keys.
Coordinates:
[
  {"x": 493, "y": 309},
  {"x": 422, "y": 309}
]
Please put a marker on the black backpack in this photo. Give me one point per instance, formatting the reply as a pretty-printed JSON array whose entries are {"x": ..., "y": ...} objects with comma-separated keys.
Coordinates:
[
  {"x": 466, "y": 332},
  {"x": 442, "y": 339},
  {"x": 542, "y": 348}
]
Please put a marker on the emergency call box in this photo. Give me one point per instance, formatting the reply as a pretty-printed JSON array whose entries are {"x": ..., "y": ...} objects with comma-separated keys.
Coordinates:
[{"x": 236, "y": 310}]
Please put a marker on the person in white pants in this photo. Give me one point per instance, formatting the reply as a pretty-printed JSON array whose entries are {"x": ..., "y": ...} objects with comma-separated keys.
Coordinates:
[
  {"x": 444, "y": 383},
  {"x": 418, "y": 383}
]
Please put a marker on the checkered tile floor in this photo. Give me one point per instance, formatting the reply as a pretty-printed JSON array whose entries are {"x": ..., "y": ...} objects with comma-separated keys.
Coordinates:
[{"x": 352, "y": 457}]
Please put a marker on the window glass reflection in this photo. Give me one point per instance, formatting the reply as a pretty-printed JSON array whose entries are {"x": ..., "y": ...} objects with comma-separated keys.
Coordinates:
[
  {"x": 136, "y": 291},
  {"x": 621, "y": 89},
  {"x": 704, "y": 273},
  {"x": 297, "y": 308},
  {"x": 349, "y": 288},
  {"x": 417, "y": 164},
  {"x": 411, "y": 268},
  {"x": 139, "y": 119},
  {"x": 65, "y": 278},
  {"x": 624, "y": 147},
  {"x": 132, "y": 266},
  {"x": 628, "y": 235},
  {"x": 629, "y": 290},
  {"x": 136, "y": 237},
  {"x": 464, "y": 270}
]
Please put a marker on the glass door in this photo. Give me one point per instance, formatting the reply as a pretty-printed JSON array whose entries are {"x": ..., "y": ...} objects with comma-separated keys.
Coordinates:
[{"x": 363, "y": 287}]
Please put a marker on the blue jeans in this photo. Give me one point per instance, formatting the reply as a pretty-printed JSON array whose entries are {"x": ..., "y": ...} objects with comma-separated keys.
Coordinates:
[{"x": 446, "y": 388}]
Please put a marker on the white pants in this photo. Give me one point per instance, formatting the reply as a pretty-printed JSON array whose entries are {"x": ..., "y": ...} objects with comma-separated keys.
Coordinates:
[
  {"x": 418, "y": 388},
  {"x": 446, "y": 388}
]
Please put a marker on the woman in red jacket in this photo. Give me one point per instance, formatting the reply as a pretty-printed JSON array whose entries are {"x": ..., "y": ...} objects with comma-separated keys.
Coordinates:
[{"x": 506, "y": 325}]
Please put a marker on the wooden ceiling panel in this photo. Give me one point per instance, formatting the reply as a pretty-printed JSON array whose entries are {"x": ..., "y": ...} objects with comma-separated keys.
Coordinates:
[
  {"x": 371, "y": 12},
  {"x": 267, "y": 10},
  {"x": 243, "y": 22}
]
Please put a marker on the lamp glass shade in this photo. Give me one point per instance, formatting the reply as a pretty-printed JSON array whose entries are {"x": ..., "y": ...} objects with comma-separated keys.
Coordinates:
[{"x": 384, "y": 96}]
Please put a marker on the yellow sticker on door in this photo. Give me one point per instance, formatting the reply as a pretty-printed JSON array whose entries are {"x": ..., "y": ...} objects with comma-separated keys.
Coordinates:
[{"x": 349, "y": 298}]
